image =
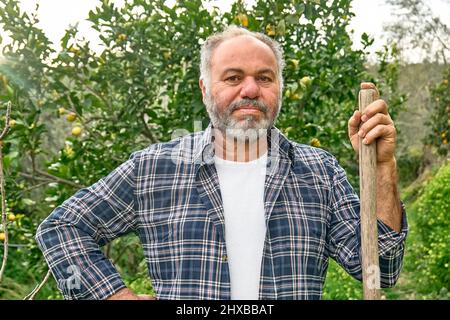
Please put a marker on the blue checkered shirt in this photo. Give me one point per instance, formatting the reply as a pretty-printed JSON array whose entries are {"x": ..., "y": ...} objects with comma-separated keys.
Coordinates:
[{"x": 169, "y": 195}]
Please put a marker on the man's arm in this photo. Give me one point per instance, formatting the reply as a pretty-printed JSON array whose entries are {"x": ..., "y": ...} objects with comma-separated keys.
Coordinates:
[
  {"x": 388, "y": 200},
  {"x": 127, "y": 294},
  {"x": 344, "y": 232},
  {"x": 376, "y": 126},
  {"x": 71, "y": 236}
]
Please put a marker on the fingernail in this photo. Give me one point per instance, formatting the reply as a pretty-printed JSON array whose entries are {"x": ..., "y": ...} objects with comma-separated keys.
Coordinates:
[
  {"x": 361, "y": 133},
  {"x": 364, "y": 118},
  {"x": 365, "y": 141}
]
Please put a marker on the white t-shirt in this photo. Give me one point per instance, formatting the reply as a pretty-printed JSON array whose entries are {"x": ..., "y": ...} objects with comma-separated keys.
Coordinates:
[{"x": 242, "y": 189}]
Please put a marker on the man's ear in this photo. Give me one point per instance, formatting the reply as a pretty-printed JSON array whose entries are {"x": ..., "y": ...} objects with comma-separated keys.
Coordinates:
[{"x": 202, "y": 86}]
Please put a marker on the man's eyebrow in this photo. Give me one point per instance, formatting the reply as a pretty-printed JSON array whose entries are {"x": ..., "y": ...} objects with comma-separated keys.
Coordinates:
[
  {"x": 266, "y": 70},
  {"x": 237, "y": 70},
  {"x": 230, "y": 70}
]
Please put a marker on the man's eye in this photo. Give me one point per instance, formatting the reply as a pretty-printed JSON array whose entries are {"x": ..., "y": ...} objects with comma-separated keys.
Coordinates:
[
  {"x": 233, "y": 79},
  {"x": 265, "y": 79}
]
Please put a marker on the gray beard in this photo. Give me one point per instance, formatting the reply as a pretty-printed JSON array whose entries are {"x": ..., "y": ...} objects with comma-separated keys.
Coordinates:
[{"x": 247, "y": 130}]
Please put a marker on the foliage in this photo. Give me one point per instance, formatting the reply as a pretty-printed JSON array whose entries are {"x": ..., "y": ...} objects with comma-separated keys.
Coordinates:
[
  {"x": 416, "y": 27},
  {"x": 430, "y": 253},
  {"x": 76, "y": 111},
  {"x": 339, "y": 285},
  {"x": 440, "y": 116}
]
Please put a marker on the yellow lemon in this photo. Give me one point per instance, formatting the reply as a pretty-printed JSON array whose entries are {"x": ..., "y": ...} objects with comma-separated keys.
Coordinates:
[
  {"x": 270, "y": 30},
  {"x": 71, "y": 117},
  {"x": 306, "y": 81},
  {"x": 76, "y": 131},
  {"x": 243, "y": 19},
  {"x": 294, "y": 62},
  {"x": 295, "y": 96},
  {"x": 315, "y": 142},
  {"x": 74, "y": 50}
]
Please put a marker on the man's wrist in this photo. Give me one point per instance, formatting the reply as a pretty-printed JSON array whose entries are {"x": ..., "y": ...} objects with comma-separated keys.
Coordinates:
[
  {"x": 388, "y": 164},
  {"x": 387, "y": 173},
  {"x": 124, "y": 294}
]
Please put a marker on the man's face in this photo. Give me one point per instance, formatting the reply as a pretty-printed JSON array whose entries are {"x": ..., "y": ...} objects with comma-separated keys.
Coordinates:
[{"x": 244, "y": 89}]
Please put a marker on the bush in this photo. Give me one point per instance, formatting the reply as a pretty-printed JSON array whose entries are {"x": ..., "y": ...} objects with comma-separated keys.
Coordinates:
[
  {"x": 429, "y": 243},
  {"x": 440, "y": 116},
  {"x": 339, "y": 285},
  {"x": 409, "y": 165}
]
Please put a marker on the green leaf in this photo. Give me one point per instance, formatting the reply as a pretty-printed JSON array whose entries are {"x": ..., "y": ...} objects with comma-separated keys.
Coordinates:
[
  {"x": 292, "y": 18},
  {"x": 300, "y": 8},
  {"x": 28, "y": 202}
]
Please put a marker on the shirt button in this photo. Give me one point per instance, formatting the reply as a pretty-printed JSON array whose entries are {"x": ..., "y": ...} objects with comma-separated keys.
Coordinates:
[{"x": 225, "y": 258}]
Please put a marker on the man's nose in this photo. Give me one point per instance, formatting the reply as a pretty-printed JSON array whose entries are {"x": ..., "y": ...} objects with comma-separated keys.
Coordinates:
[{"x": 250, "y": 88}]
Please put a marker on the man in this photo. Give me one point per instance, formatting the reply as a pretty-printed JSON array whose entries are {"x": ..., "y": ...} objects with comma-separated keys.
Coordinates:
[{"x": 236, "y": 211}]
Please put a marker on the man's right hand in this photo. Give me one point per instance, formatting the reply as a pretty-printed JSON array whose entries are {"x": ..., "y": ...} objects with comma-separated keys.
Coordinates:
[{"x": 127, "y": 294}]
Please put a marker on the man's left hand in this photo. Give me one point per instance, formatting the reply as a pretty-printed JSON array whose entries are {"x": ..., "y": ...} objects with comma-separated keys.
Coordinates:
[{"x": 376, "y": 125}]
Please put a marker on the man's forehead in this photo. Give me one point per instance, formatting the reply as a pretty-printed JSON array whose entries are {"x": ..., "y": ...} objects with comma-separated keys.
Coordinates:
[{"x": 242, "y": 45}]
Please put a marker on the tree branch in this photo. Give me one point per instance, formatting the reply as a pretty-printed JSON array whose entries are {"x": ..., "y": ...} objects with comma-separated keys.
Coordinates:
[
  {"x": 147, "y": 132},
  {"x": 58, "y": 179},
  {"x": 3, "y": 193},
  {"x": 47, "y": 178},
  {"x": 8, "y": 118},
  {"x": 37, "y": 186},
  {"x": 33, "y": 293}
]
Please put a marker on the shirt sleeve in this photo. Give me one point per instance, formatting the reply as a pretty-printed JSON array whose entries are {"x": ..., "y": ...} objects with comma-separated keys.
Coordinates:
[
  {"x": 71, "y": 236},
  {"x": 344, "y": 236}
]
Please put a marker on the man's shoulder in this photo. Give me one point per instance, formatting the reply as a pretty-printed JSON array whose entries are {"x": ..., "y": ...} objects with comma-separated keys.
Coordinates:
[
  {"x": 310, "y": 155},
  {"x": 313, "y": 161},
  {"x": 183, "y": 146}
]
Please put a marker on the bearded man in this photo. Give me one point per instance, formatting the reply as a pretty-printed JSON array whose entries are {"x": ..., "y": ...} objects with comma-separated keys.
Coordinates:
[{"x": 236, "y": 211}]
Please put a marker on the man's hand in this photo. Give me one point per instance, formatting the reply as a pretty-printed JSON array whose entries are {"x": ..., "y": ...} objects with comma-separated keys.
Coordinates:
[
  {"x": 376, "y": 125},
  {"x": 127, "y": 294}
]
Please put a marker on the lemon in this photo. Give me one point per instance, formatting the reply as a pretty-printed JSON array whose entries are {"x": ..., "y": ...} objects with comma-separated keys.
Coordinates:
[
  {"x": 306, "y": 81},
  {"x": 243, "y": 19},
  {"x": 315, "y": 142},
  {"x": 71, "y": 117},
  {"x": 76, "y": 131},
  {"x": 270, "y": 30}
]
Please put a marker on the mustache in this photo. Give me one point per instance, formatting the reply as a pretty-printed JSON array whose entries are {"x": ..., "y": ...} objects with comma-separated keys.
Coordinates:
[{"x": 261, "y": 106}]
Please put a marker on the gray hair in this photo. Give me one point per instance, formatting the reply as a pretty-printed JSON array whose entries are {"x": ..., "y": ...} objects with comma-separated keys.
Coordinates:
[{"x": 213, "y": 41}]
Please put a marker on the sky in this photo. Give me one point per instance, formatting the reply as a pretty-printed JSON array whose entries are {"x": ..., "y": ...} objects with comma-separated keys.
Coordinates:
[{"x": 370, "y": 16}]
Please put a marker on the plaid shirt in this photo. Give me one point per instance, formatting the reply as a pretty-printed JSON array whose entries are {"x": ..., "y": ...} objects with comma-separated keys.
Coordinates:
[{"x": 169, "y": 195}]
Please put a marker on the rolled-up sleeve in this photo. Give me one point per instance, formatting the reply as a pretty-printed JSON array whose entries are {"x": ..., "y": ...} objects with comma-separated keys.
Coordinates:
[
  {"x": 71, "y": 236},
  {"x": 391, "y": 246}
]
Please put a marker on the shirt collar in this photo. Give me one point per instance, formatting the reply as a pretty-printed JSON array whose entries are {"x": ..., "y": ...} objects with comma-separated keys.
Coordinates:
[{"x": 279, "y": 146}]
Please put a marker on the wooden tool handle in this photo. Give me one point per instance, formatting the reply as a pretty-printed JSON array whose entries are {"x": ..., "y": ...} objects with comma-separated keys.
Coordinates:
[{"x": 368, "y": 198}]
